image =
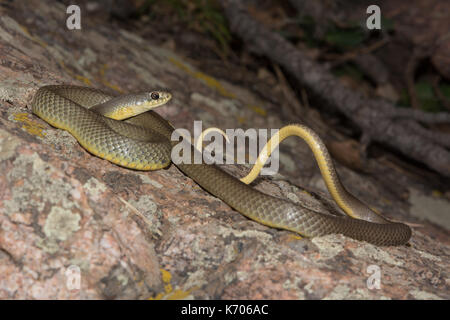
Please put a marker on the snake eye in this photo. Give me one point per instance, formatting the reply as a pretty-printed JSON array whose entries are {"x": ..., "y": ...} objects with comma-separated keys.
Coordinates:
[{"x": 155, "y": 95}]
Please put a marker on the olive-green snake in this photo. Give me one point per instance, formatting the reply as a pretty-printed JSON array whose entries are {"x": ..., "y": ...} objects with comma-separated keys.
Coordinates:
[{"x": 143, "y": 142}]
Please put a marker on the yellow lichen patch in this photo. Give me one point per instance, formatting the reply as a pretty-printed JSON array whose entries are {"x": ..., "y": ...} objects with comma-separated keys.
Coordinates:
[
  {"x": 180, "y": 65},
  {"x": 159, "y": 296},
  {"x": 34, "y": 38},
  {"x": 76, "y": 76},
  {"x": 165, "y": 276},
  {"x": 179, "y": 294},
  {"x": 241, "y": 120},
  {"x": 258, "y": 110},
  {"x": 29, "y": 125},
  {"x": 208, "y": 80},
  {"x": 436, "y": 193},
  {"x": 213, "y": 83},
  {"x": 103, "y": 80},
  {"x": 169, "y": 293},
  {"x": 84, "y": 79}
]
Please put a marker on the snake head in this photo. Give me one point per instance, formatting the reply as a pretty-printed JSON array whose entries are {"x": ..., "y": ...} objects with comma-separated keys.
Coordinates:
[
  {"x": 157, "y": 98},
  {"x": 126, "y": 106}
]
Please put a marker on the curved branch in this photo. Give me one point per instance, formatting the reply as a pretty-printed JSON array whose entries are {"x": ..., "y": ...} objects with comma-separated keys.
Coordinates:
[
  {"x": 419, "y": 115},
  {"x": 438, "y": 137}
]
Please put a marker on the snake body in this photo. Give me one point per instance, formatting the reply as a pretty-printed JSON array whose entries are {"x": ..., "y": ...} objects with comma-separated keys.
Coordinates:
[{"x": 144, "y": 142}]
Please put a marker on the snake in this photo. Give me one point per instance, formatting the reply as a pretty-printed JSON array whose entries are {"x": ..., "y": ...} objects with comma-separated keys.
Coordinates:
[{"x": 108, "y": 126}]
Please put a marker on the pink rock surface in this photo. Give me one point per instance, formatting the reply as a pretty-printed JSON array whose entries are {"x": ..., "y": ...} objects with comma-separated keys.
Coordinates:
[{"x": 142, "y": 235}]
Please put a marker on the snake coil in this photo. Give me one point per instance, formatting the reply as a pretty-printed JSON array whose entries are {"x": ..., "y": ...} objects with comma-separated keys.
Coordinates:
[{"x": 143, "y": 142}]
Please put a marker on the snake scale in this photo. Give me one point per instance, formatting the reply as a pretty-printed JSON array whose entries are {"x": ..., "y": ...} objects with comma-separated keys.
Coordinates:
[{"x": 143, "y": 142}]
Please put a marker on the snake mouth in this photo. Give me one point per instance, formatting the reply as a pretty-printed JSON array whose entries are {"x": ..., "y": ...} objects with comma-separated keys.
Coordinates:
[{"x": 158, "y": 98}]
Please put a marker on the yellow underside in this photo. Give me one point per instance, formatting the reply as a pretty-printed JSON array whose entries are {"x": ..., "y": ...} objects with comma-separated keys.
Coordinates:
[
  {"x": 110, "y": 157},
  {"x": 324, "y": 165}
]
